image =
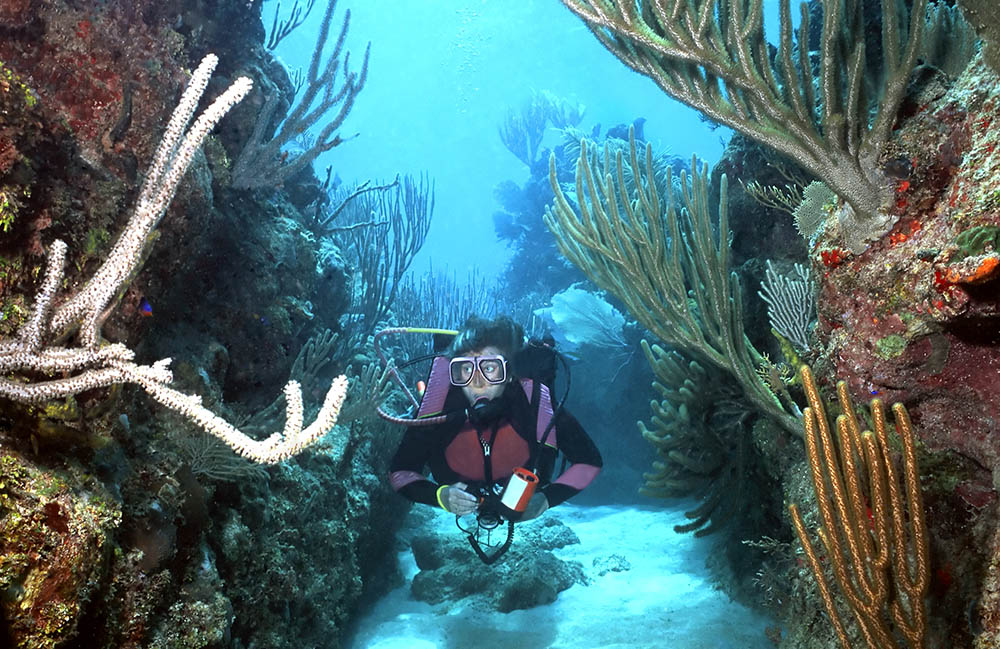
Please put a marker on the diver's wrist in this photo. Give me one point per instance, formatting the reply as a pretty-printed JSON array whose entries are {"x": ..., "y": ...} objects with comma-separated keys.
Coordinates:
[{"x": 440, "y": 490}]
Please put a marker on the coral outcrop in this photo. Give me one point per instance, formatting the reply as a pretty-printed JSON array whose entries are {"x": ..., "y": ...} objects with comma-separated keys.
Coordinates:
[
  {"x": 118, "y": 527},
  {"x": 914, "y": 317},
  {"x": 906, "y": 278},
  {"x": 529, "y": 576}
]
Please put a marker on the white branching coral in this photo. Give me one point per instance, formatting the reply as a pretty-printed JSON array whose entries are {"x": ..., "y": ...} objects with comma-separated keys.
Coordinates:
[
  {"x": 88, "y": 308},
  {"x": 88, "y": 364}
]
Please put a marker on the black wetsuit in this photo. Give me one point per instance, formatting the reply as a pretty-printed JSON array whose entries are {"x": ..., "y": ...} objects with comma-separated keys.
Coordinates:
[{"x": 455, "y": 451}]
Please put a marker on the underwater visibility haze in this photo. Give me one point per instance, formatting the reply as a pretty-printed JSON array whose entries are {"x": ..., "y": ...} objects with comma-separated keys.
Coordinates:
[{"x": 385, "y": 324}]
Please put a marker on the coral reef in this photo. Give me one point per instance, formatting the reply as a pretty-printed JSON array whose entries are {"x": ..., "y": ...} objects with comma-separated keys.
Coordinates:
[
  {"x": 530, "y": 575},
  {"x": 113, "y": 522},
  {"x": 985, "y": 18},
  {"x": 114, "y": 519},
  {"x": 932, "y": 311},
  {"x": 906, "y": 301},
  {"x": 913, "y": 317},
  {"x": 54, "y": 548},
  {"x": 884, "y": 575},
  {"x": 672, "y": 272},
  {"x": 718, "y": 65},
  {"x": 88, "y": 365}
]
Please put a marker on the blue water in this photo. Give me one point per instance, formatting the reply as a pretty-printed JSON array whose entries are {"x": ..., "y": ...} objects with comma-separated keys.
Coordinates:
[{"x": 441, "y": 76}]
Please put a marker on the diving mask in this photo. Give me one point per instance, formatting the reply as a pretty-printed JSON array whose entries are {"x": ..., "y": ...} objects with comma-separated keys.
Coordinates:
[{"x": 493, "y": 369}]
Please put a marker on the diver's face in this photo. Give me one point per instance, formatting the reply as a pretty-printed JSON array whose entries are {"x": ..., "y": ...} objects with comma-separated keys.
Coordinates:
[{"x": 479, "y": 388}]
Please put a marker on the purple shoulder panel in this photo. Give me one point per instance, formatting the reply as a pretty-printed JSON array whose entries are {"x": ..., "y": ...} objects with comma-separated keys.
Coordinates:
[
  {"x": 438, "y": 384},
  {"x": 545, "y": 413}
]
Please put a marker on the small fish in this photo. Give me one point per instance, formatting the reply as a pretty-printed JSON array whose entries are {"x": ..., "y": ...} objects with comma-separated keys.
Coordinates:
[
  {"x": 421, "y": 388},
  {"x": 145, "y": 308}
]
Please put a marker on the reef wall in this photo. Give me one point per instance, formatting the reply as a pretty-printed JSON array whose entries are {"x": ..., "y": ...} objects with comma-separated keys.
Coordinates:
[{"x": 119, "y": 525}]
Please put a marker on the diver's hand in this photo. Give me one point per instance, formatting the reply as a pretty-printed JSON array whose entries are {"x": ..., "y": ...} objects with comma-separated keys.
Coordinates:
[
  {"x": 456, "y": 500},
  {"x": 536, "y": 507}
]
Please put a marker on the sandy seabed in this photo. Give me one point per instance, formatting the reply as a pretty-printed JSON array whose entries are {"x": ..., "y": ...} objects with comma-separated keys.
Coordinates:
[{"x": 666, "y": 599}]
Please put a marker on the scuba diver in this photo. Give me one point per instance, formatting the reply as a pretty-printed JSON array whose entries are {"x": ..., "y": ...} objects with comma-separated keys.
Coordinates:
[{"x": 493, "y": 453}]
